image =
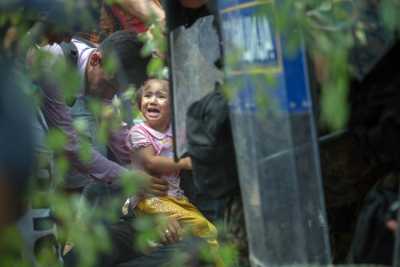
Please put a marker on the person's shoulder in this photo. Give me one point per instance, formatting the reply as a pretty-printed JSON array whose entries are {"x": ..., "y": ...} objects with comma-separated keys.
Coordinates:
[
  {"x": 82, "y": 43},
  {"x": 138, "y": 126},
  {"x": 139, "y": 129},
  {"x": 54, "y": 49},
  {"x": 53, "y": 52},
  {"x": 139, "y": 137},
  {"x": 44, "y": 57}
]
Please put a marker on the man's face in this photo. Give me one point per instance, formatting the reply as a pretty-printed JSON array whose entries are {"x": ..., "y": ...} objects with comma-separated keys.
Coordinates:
[{"x": 100, "y": 83}]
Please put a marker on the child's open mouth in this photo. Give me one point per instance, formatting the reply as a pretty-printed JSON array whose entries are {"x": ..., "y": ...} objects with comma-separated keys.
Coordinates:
[{"x": 153, "y": 112}]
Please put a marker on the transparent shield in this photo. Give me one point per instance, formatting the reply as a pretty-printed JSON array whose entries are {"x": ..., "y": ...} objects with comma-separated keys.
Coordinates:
[
  {"x": 275, "y": 141},
  {"x": 194, "y": 52}
]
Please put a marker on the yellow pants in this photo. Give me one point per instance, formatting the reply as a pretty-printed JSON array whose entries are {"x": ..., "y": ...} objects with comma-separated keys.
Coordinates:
[{"x": 184, "y": 211}]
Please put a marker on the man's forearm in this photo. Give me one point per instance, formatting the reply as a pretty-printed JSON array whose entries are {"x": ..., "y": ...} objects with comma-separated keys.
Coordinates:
[
  {"x": 102, "y": 168},
  {"x": 58, "y": 116},
  {"x": 117, "y": 145}
]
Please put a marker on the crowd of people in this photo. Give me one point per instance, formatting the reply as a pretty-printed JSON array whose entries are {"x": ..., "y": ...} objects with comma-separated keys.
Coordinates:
[{"x": 142, "y": 150}]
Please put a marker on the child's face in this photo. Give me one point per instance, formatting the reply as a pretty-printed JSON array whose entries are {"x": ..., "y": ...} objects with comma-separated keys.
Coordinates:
[{"x": 155, "y": 105}]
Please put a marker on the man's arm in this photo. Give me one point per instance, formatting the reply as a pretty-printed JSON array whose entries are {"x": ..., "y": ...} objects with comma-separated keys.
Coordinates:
[
  {"x": 58, "y": 116},
  {"x": 143, "y": 9},
  {"x": 117, "y": 145}
]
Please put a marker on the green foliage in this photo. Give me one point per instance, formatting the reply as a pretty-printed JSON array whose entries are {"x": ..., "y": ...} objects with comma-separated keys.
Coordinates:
[
  {"x": 389, "y": 14},
  {"x": 10, "y": 244},
  {"x": 148, "y": 236},
  {"x": 228, "y": 254},
  {"x": 56, "y": 140},
  {"x": 85, "y": 150},
  {"x": 110, "y": 65},
  {"x": 329, "y": 30},
  {"x": 110, "y": 2},
  {"x": 155, "y": 67},
  {"x": 80, "y": 229},
  {"x": 155, "y": 44},
  {"x": 68, "y": 77},
  {"x": 62, "y": 166}
]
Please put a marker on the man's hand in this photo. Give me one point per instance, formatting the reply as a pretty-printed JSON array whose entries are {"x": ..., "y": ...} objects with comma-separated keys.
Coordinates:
[
  {"x": 147, "y": 185},
  {"x": 158, "y": 187},
  {"x": 172, "y": 232}
]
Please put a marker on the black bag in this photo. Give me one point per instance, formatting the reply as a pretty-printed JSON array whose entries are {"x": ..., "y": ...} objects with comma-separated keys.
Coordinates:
[{"x": 210, "y": 145}]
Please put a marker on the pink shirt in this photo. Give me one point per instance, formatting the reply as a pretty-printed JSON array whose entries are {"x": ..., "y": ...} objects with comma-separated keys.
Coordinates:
[{"x": 141, "y": 135}]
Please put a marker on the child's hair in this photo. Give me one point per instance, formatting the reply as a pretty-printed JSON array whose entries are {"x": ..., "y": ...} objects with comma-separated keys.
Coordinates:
[{"x": 139, "y": 93}]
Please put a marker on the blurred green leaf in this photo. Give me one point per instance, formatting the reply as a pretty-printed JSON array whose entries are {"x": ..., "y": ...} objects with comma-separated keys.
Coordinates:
[
  {"x": 62, "y": 165},
  {"x": 85, "y": 150},
  {"x": 110, "y": 65},
  {"x": 148, "y": 235},
  {"x": 80, "y": 125},
  {"x": 56, "y": 140},
  {"x": 155, "y": 67},
  {"x": 389, "y": 13},
  {"x": 334, "y": 105}
]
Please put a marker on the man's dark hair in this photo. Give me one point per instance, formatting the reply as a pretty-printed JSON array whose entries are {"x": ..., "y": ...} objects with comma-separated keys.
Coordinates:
[{"x": 126, "y": 48}]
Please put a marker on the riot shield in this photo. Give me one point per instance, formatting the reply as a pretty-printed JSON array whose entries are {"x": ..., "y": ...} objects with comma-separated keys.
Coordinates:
[
  {"x": 194, "y": 51},
  {"x": 275, "y": 139}
]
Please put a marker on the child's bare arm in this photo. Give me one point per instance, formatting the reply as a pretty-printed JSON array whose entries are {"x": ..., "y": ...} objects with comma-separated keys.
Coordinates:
[{"x": 159, "y": 164}]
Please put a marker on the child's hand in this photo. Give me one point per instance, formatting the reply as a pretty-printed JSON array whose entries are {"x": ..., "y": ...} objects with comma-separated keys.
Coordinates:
[{"x": 186, "y": 163}]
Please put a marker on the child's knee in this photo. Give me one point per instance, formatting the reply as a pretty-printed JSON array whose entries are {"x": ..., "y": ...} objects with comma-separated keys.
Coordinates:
[
  {"x": 213, "y": 230},
  {"x": 206, "y": 228}
]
